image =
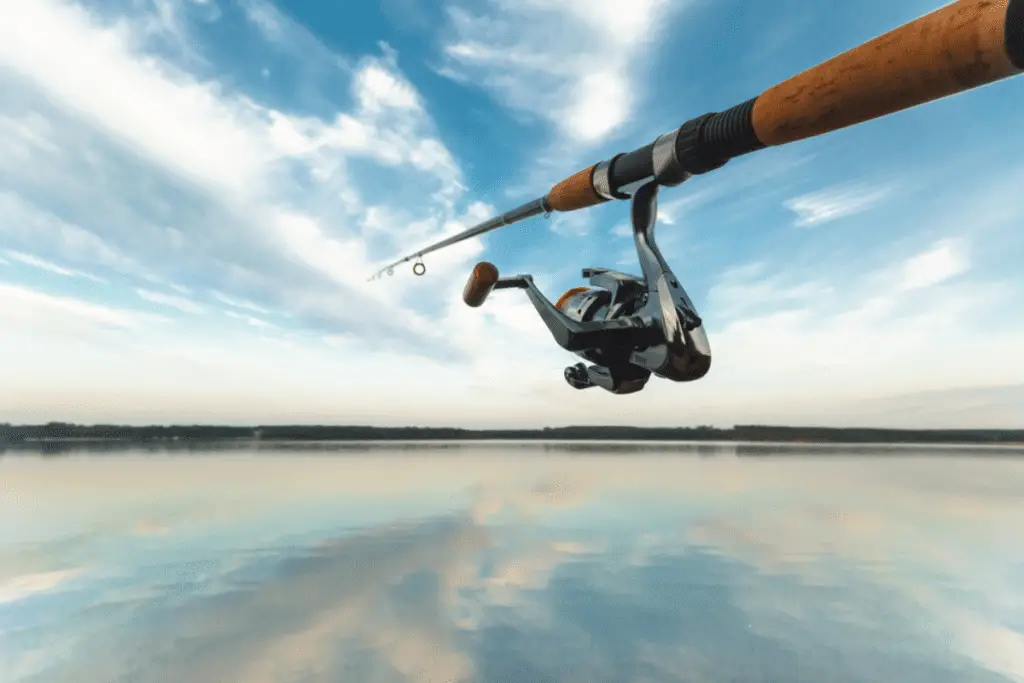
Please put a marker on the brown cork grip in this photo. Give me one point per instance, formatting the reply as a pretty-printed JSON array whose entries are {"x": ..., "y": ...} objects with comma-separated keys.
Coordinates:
[
  {"x": 958, "y": 47},
  {"x": 481, "y": 282},
  {"x": 575, "y": 192}
]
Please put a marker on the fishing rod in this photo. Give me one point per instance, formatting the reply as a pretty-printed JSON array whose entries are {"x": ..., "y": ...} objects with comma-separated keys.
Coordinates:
[{"x": 630, "y": 327}]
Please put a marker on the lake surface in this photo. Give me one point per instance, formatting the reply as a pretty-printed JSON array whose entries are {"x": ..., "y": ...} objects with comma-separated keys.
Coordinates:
[{"x": 513, "y": 564}]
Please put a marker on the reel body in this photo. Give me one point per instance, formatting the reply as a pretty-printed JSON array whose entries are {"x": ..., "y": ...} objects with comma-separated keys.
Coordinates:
[{"x": 625, "y": 327}]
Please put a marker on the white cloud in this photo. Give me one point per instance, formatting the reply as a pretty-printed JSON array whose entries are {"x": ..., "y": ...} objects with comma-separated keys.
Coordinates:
[
  {"x": 996, "y": 647},
  {"x": 269, "y": 20},
  {"x": 573, "y": 63},
  {"x": 754, "y": 289},
  {"x": 945, "y": 260},
  {"x": 27, "y": 227},
  {"x": 239, "y": 157},
  {"x": 181, "y": 303},
  {"x": 25, "y": 308},
  {"x": 625, "y": 229},
  {"x": 186, "y": 369},
  {"x": 571, "y": 224},
  {"x": 239, "y": 303},
  {"x": 93, "y": 69},
  {"x": 222, "y": 139},
  {"x": 825, "y": 206},
  {"x": 378, "y": 89},
  {"x": 23, "y": 137},
  {"x": 813, "y": 346},
  {"x": 249, "y": 320},
  {"x": 49, "y": 266},
  {"x": 999, "y": 404},
  {"x": 243, "y": 218},
  {"x": 21, "y": 587}
]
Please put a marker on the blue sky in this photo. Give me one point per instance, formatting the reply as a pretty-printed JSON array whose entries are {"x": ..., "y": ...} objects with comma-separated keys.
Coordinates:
[{"x": 193, "y": 192}]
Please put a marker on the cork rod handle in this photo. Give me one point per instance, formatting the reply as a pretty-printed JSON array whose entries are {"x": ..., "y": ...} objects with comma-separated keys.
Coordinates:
[{"x": 958, "y": 47}]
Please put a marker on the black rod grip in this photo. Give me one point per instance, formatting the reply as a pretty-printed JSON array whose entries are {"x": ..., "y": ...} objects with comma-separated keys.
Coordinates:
[
  {"x": 729, "y": 133},
  {"x": 1015, "y": 33}
]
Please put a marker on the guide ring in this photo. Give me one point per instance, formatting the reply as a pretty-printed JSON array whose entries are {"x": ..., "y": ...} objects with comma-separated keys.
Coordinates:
[{"x": 419, "y": 268}]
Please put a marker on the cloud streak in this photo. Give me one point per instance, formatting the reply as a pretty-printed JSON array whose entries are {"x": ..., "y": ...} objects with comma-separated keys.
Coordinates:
[
  {"x": 179, "y": 302},
  {"x": 20, "y": 587},
  {"x": 570, "y": 63},
  {"x": 833, "y": 204},
  {"x": 43, "y": 264},
  {"x": 21, "y": 305}
]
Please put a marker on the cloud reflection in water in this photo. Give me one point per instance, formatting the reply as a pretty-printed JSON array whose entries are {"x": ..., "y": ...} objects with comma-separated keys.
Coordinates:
[{"x": 506, "y": 564}]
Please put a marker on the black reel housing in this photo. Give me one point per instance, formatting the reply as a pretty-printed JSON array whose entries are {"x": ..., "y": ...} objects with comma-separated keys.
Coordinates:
[{"x": 626, "y": 327}]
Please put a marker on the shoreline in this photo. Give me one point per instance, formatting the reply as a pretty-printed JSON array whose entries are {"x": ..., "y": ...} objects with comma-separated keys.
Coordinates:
[
  {"x": 54, "y": 445},
  {"x": 62, "y": 436}
]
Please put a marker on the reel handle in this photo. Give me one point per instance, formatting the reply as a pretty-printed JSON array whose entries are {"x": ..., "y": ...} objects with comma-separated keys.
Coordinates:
[{"x": 480, "y": 284}]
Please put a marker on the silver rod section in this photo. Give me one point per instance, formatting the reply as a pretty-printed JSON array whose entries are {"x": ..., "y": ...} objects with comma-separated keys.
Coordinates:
[{"x": 528, "y": 210}]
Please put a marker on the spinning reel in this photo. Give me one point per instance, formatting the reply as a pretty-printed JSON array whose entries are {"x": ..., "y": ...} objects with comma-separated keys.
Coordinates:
[{"x": 626, "y": 327}]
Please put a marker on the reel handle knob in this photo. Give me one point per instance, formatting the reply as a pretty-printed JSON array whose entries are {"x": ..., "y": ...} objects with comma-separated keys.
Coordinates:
[{"x": 480, "y": 284}]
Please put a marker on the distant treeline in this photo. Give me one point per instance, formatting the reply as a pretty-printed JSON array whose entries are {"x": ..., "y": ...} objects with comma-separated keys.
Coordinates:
[{"x": 60, "y": 431}]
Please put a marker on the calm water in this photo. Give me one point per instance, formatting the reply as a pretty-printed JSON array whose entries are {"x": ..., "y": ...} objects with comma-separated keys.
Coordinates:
[{"x": 526, "y": 564}]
